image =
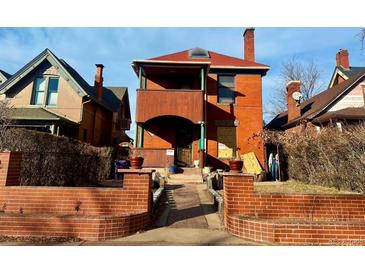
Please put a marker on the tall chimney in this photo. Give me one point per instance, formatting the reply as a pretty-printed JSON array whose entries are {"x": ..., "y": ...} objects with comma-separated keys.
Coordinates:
[
  {"x": 98, "y": 84},
  {"x": 293, "y": 106},
  {"x": 249, "y": 44},
  {"x": 342, "y": 59}
]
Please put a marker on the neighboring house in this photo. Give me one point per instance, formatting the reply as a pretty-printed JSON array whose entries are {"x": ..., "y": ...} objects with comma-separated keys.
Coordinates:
[
  {"x": 342, "y": 103},
  {"x": 47, "y": 94},
  {"x": 201, "y": 105},
  {"x": 4, "y": 76},
  {"x": 343, "y": 71}
]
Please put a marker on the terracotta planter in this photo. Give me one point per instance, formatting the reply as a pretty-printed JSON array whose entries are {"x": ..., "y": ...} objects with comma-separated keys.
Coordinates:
[
  {"x": 235, "y": 166},
  {"x": 136, "y": 162}
]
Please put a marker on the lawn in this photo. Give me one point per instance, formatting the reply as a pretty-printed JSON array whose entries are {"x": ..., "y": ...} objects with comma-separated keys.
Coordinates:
[{"x": 296, "y": 187}]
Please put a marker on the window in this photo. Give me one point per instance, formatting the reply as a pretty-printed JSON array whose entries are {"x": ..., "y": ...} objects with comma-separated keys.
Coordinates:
[
  {"x": 226, "y": 137},
  {"x": 226, "y": 89},
  {"x": 198, "y": 53},
  {"x": 39, "y": 90},
  {"x": 52, "y": 91},
  {"x": 45, "y": 87}
]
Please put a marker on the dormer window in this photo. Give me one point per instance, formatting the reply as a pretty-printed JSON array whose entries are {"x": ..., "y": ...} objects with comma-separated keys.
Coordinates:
[
  {"x": 198, "y": 53},
  {"x": 45, "y": 91}
]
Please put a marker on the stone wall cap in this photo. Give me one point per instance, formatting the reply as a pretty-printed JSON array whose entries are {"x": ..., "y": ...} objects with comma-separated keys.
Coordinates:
[
  {"x": 238, "y": 174},
  {"x": 134, "y": 170}
]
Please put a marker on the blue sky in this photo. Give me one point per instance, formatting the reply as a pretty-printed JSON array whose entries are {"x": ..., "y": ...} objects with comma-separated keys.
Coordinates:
[{"x": 117, "y": 47}]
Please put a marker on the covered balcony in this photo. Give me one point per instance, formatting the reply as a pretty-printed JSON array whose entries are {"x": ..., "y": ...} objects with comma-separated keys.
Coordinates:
[
  {"x": 171, "y": 90},
  {"x": 172, "y": 102}
]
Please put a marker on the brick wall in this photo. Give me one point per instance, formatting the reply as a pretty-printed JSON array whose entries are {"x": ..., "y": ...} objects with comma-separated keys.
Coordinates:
[
  {"x": 10, "y": 164},
  {"x": 292, "y": 219},
  {"x": 83, "y": 212}
]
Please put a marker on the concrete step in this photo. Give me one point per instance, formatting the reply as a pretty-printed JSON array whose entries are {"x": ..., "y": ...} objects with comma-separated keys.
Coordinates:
[
  {"x": 183, "y": 178},
  {"x": 191, "y": 171}
]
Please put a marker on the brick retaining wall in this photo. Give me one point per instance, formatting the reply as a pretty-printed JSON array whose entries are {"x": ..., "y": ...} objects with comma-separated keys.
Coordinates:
[
  {"x": 292, "y": 219},
  {"x": 85, "y": 212}
]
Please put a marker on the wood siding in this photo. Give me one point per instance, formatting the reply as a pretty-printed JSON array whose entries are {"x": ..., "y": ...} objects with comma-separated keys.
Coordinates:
[{"x": 183, "y": 103}]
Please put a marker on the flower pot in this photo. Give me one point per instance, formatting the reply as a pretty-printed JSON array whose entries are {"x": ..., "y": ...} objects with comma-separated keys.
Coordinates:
[
  {"x": 235, "y": 166},
  {"x": 136, "y": 162}
]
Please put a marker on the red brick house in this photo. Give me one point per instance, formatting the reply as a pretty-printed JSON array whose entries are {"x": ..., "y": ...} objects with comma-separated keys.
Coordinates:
[{"x": 201, "y": 105}]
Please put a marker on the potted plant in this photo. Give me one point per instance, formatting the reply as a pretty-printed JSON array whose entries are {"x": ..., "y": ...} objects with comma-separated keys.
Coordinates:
[
  {"x": 136, "y": 159},
  {"x": 236, "y": 164}
]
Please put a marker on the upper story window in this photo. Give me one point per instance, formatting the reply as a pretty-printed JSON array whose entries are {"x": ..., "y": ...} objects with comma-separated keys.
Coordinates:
[
  {"x": 39, "y": 91},
  {"x": 52, "y": 91},
  {"x": 226, "y": 87},
  {"x": 45, "y": 91}
]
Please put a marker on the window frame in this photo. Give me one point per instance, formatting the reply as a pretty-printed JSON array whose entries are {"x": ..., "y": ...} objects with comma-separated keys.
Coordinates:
[
  {"x": 46, "y": 90},
  {"x": 232, "y": 89},
  {"x": 49, "y": 93},
  {"x": 235, "y": 142},
  {"x": 34, "y": 92}
]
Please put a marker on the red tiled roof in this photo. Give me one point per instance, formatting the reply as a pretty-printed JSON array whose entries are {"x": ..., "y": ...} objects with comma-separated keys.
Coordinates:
[{"x": 215, "y": 58}]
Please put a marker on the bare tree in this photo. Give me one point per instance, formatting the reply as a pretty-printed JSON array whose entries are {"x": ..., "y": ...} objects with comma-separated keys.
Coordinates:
[
  {"x": 307, "y": 73},
  {"x": 362, "y": 38}
]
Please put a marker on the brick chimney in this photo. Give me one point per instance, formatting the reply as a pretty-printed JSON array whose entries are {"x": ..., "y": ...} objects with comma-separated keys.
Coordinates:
[
  {"x": 293, "y": 106},
  {"x": 98, "y": 84},
  {"x": 342, "y": 59},
  {"x": 249, "y": 44}
]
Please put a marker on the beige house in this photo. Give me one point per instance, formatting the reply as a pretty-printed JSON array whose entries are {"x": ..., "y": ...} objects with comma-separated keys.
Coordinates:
[
  {"x": 47, "y": 94},
  {"x": 4, "y": 76}
]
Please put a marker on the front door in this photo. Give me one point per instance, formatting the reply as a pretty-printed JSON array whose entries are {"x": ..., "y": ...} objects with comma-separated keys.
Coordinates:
[{"x": 184, "y": 140}]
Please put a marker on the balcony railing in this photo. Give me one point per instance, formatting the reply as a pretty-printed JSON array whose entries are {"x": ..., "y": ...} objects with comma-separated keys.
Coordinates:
[{"x": 171, "y": 102}]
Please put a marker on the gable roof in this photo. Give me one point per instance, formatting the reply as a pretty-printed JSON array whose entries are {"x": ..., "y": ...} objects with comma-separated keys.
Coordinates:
[
  {"x": 4, "y": 75},
  {"x": 316, "y": 106},
  {"x": 344, "y": 73},
  {"x": 108, "y": 101},
  {"x": 113, "y": 96}
]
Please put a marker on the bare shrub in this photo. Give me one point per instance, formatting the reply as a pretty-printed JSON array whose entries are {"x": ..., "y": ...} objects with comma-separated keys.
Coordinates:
[
  {"x": 50, "y": 160},
  {"x": 4, "y": 118},
  {"x": 331, "y": 158}
]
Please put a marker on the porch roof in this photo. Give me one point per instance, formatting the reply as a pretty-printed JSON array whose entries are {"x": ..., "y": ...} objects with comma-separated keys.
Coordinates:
[{"x": 36, "y": 113}]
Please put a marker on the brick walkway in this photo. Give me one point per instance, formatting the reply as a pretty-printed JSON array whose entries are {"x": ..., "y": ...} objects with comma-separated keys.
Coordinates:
[{"x": 186, "y": 210}]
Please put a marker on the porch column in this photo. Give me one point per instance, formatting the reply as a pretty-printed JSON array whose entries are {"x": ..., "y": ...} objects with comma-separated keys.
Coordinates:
[
  {"x": 202, "y": 141},
  {"x": 141, "y": 133},
  {"x": 202, "y": 82},
  {"x": 202, "y": 144},
  {"x": 135, "y": 136},
  {"x": 140, "y": 77}
]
